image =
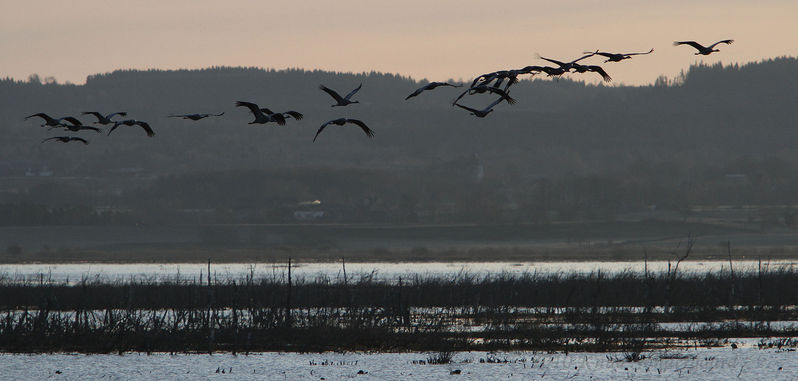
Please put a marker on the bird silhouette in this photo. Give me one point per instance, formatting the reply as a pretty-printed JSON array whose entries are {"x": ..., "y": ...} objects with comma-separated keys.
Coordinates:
[
  {"x": 194, "y": 117},
  {"x": 133, "y": 122},
  {"x": 483, "y": 88},
  {"x": 48, "y": 120},
  {"x": 703, "y": 50},
  {"x": 104, "y": 119},
  {"x": 594, "y": 68},
  {"x": 341, "y": 101},
  {"x": 76, "y": 125},
  {"x": 285, "y": 114},
  {"x": 67, "y": 139},
  {"x": 481, "y": 113},
  {"x": 553, "y": 71},
  {"x": 341, "y": 121},
  {"x": 260, "y": 116},
  {"x": 567, "y": 66},
  {"x": 430, "y": 86},
  {"x": 618, "y": 57}
]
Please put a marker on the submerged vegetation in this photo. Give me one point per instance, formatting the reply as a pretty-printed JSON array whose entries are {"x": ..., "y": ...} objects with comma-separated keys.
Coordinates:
[{"x": 629, "y": 312}]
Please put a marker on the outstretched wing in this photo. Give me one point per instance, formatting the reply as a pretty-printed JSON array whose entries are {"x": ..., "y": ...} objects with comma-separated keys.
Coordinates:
[
  {"x": 583, "y": 57},
  {"x": 75, "y": 138},
  {"x": 52, "y": 138},
  {"x": 120, "y": 113},
  {"x": 727, "y": 42},
  {"x": 468, "y": 108},
  {"x": 415, "y": 93},
  {"x": 146, "y": 128},
  {"x": 605, "y": 54},
  {"x": 266, "y": 110},
  {"x": 637, "y": 54},
  {"x": 691, "y": 43},
  {"x": 322, "y": 128},
  {"x": 503, "y": 94},
  {"x": 294, "y": 114},
  {"x": 600, "y": 70},
  {"x": 251, "y": 106},
  {"x": 72, "y": 120},
  {"x": 351, "y": 93},
  {"x": 558, "y": 63},
  {"x": 95, "y": 113},
  {"x": 492, "y": 105},
  {"x": 279, "y": 118},
  {"x": 332, "y": 93},
  {"x": 91, "y": 128},
  {"x": 116, "y": 124},
  {"x": 369, "y": 132},
  {"x": 44, "y": 116}
]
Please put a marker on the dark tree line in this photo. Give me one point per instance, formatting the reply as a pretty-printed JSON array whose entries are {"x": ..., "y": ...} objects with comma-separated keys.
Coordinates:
[{"x": 717, "y": 135}]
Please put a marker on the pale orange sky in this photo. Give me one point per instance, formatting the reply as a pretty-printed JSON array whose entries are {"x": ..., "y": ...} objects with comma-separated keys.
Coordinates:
[{"x": 433, "y": 39}]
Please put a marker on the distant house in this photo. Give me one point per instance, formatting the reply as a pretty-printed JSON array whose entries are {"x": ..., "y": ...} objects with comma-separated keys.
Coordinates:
[{"x": 309, "y": 211}]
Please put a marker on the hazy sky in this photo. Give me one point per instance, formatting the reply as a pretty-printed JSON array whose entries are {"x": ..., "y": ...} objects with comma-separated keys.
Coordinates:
[{"x": 433, "y": 39}]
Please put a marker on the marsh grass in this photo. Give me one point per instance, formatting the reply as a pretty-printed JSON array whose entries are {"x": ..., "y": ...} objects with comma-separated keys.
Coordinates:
[{"x": 622, "y": 312}]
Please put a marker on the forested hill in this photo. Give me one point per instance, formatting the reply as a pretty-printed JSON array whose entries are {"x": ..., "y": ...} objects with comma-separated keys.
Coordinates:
[{"x": 710, "y": 117}]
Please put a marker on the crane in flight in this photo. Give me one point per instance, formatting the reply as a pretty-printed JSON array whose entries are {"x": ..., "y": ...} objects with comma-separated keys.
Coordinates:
[
  {"x": 430, "y": 86},
  {"x": 260, "y": 116},
  {"x": 341, "y": 121},
  {"x": 48, "y": 120},
  {"x": 341, "y": 101},
  {"x": 77, "y": 125},
  {"x": 133, "y": 122},
  {"x": 194, "y": 117},
  {"x": 618, "y": 57},
  {"x": 566, "y": 66},
  {"x": 481, "y": 113},
  {"x": 67, "y": 139},
  {"x": 703, "y": 50},
  {"x": 104, "y": 119},
  {"x": 285, "y": 114}
]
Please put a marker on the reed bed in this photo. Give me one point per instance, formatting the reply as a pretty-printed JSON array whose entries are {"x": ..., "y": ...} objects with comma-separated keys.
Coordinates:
[{"x": 535, "y": 311}]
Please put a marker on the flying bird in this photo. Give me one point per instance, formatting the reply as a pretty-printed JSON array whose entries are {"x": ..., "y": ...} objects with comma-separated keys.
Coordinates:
[
  {"x": 618, "y": 57},
  {"x": 133, "y": 122},
  {"x": 104, "y": 119},
  {"x": 48, "y": 120},
  {"x": 488, "y": 77},
  {"x": 483, "y": 88},
  {"x": 341, "y": 121},
  {"x": 194, "y": 117},
  {"x": 76, "y": 125},
  {"x": 285, "y": 114},
  {"x": 430, "y": 86},
  {"x": 566, "y": 66},
  {"x": 704, "y": 50},
  {"x": 553, "y": 71},
  {"x": 341, "y": 101},
  {"x": 594, "y": 68},
  {"x": 260, "y": 116},
  {"x": 481, "y": 113},
  {"x": 67, "y": 139}
]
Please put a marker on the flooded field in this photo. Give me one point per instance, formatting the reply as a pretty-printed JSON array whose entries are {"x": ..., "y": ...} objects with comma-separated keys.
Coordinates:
[{"x": 747, "y": 362}]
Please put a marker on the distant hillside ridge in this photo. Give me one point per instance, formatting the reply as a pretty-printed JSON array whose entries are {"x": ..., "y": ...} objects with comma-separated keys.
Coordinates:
[{"x": 708, "y": 116}]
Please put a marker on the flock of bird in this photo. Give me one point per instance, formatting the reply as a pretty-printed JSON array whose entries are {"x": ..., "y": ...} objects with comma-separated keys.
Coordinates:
[{"x": 490, "y": 83}]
